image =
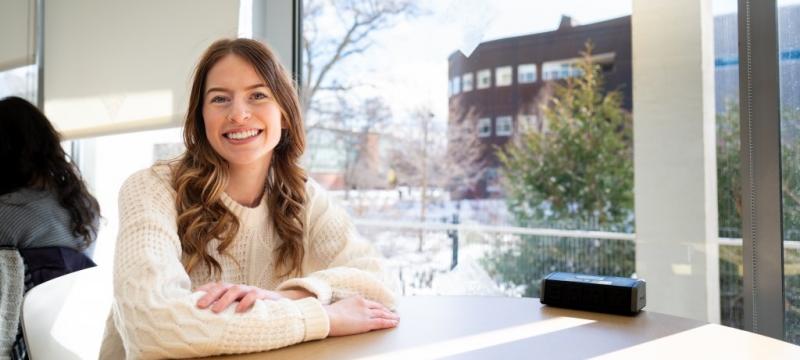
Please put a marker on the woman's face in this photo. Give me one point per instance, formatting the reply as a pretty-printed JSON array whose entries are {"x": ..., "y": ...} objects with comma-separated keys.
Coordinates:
[{"x": 242, "y": 119}]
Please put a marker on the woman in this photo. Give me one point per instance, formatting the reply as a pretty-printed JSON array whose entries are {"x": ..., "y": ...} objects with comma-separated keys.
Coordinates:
[
  {"x": 232, "y": 249},
  {"x": 48, "y": 217}
]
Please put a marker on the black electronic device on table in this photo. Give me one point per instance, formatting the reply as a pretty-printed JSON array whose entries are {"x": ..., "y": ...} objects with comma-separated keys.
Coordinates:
[{"x": 609, "y": 294}]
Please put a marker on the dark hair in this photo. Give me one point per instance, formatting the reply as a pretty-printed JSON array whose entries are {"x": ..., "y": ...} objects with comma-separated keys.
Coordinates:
[{"x": 31, "y": 153}]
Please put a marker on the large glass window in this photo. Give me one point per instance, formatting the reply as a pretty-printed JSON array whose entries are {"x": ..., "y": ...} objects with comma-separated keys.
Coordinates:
[
  {"x": 729, "y": 196},
  {"x": 105, "y": 167},
  {"x": 414, "y": 153},
  {"x": 789, "y": 72},
  {"x": 21, "y": 81}
]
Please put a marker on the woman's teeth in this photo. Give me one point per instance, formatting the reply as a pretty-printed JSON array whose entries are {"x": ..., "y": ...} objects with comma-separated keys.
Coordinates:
[{"x": 242, "y": 134}]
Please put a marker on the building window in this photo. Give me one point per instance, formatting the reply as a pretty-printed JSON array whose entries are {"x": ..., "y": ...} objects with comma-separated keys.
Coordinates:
[
  {"x": 526, "y": 73},
  {"x": 554, "y": 70},
  {"x": 484, "y": 79},
  {"x": 484, "y": 127},
  {"x": 456, "y": 85},
  {"x": 503, "y": 76},
  {"x": 466, "y": 82},
  {"x": 562, "y": 69},
  {"x": 504, "y": 126},
  {"x": 528, "y": 123}
]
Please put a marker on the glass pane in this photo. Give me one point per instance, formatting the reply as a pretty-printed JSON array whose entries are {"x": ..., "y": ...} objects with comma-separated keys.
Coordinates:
[
  {"x": 729, "y": 198},
  {"x": 21, "y": 81},
  {"x": 789, "y": 69},
  {"x": 407, "y": 116},
  {"x": 106, "y": 161}
]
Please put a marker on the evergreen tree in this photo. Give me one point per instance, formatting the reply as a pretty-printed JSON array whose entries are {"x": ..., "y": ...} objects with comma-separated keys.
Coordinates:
[
  {"x": 581, "y": 166},
  {"x": 577, "y": 172}
]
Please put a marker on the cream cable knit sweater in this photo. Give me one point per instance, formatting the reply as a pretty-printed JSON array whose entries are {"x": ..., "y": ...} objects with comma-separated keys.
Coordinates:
[{"x": 154, "y": 313}]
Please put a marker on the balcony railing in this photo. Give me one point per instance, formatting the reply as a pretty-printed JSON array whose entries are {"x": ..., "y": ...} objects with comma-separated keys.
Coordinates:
[{"x": 425, "y": 256}]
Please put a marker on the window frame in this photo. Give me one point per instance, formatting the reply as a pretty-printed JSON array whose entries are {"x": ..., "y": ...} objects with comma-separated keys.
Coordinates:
[
  {"x": 484, "y": 123},
  {"x": 464, "y": 82},
  {"x": 523, "y": 71},
  {"x": 504, "y": 123},
  {"x": 484, "y": 74},
  {"x": 504, "y": 76}
]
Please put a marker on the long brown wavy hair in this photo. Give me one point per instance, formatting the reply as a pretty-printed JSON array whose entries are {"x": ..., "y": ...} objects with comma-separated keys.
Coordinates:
[
  {"x": 201, "y": 175},
  {"x": 32, "y": 157}
]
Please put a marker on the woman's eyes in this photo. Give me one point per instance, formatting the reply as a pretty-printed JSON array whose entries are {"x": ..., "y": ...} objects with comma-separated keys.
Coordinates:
[
  {"x": 218, "y": 99},
  {"x": 222, "y": 99}
]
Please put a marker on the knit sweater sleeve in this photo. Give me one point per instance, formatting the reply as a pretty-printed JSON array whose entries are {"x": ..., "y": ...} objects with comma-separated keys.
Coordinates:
[
  {"x": 339, "y": 263},
  {"x": 154, "y": 308}
]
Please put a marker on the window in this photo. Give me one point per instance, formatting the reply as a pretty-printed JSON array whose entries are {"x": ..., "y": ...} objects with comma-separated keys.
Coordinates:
[
  {"x": 526, "y": 73},
  {"x": 105, "y": 167},
  {"x": 788, "y": 54},
  {"x": 484, "y": 79},
  {"x": 562, "y": 69},
  {"x": 554, "y": 70},
  {"x": 504, "y": 126},
  {"x": 456, "y": 85},
  {"x": 484, "y": 127},
  {"x": 458, "y": 123},
  {"x": 503, "y": 76},
  {"x": 466, "y": 82},
  {"x": 20, "y": 82}
]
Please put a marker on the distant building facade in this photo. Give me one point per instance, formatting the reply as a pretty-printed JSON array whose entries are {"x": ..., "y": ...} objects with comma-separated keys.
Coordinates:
[{"x": 499, "y": 87}]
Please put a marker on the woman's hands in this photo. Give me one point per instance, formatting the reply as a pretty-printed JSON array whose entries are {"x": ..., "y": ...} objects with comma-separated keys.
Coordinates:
[
  {"x": 355, "y": 315},
  {"x": 348, "y": 316},
  {"x": 221, "y": 295}
]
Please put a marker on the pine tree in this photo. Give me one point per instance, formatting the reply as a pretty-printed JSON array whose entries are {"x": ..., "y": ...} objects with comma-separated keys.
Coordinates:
[
  {"x": 577, "y": 172},
  {"x": 580, "y": 169}
]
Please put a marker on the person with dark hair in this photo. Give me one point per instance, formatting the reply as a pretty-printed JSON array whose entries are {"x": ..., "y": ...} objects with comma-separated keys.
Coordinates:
[
  {"x": 231, "y": 248},
  {"x": 43, "y": 200},
  {"x": 48, "y": 219}
]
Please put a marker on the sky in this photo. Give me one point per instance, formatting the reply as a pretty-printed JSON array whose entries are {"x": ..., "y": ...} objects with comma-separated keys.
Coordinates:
[{"x": 408, "y": 63}]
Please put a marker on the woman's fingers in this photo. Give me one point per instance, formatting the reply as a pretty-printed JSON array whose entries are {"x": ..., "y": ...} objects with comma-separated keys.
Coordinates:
[
  {"x": 247, "y": 301},
  {"x": 383, "y": 314},
  {"x": 233, "y": 293},
  {"x": 378, "y": 323},
  {"x": 355, "y": 315},
  {"x": 213, "y": 293},
  {"x": 375, "y": 305},
  {"x": 222, "y": 295}
]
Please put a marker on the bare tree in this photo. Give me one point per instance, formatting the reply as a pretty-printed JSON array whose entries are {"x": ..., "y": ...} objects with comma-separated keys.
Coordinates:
[
  {"x": 362, "y": 164},
  {"x": 466, "y": 158},
  {"x": 323, "y": 51},
  {"x": 425, "y": 159}
]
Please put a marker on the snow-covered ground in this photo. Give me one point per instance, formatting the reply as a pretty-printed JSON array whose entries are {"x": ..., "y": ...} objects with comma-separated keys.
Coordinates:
[{"x": 428, "y": 270}]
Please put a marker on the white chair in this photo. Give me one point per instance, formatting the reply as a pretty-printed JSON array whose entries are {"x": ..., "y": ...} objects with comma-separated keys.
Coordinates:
[{"x": 64, "y": 318}]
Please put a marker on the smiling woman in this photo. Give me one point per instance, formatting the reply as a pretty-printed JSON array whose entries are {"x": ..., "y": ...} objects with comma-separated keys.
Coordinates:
[{"x": 232, "y": 242}]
